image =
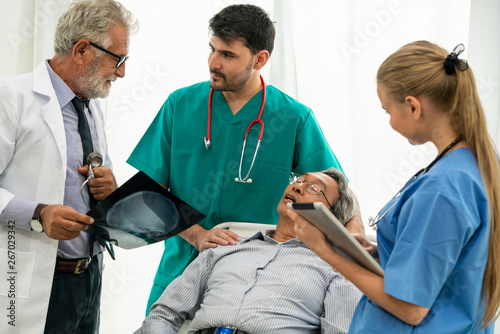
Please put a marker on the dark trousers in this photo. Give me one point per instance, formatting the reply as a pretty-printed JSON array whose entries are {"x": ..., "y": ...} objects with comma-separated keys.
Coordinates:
[{"x": 74, "y": 301}]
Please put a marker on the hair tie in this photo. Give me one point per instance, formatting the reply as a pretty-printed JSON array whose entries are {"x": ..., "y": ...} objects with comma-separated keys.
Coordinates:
[{"x": 451, "y": 62}]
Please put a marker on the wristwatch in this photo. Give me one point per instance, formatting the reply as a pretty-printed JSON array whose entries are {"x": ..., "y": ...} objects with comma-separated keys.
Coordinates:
[{"x": 36, "y": 221}]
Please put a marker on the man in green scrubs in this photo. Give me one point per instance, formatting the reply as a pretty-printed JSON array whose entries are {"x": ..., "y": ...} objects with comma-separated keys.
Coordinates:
[{"x": 174, "y": 153}]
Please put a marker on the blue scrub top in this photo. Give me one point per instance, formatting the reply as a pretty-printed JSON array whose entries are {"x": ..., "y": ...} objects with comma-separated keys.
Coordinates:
[{"x": 433, "y": 246}]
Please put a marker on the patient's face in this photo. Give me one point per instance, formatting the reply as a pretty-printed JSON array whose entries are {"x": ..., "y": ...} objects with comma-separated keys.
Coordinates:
[{"x": 297, "y": 193}]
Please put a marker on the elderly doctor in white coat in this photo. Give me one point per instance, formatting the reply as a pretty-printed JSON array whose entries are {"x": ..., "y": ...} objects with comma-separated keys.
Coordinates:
[{"x": 50, "y": 269}]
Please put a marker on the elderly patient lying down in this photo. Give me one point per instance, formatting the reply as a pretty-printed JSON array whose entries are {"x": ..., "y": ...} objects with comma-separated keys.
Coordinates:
[{"x": 268, "y": 283}]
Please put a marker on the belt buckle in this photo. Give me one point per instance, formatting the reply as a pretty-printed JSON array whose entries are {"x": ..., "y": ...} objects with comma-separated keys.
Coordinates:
[
  {"x": 81, "y": 263},
  {"x": 225, "y": 330}
]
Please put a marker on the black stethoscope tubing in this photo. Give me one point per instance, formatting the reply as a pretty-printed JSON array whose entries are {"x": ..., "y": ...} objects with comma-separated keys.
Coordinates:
[{"x": 372, "y": 222}]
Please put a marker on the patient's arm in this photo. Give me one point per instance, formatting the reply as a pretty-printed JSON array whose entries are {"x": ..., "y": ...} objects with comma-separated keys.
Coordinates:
[
  {"x": 180, "y": 300},
  {"x": 340, "y": 301}
]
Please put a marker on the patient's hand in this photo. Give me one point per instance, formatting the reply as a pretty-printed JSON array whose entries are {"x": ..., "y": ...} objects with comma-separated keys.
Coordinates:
[{"x": 202, "y": 239}]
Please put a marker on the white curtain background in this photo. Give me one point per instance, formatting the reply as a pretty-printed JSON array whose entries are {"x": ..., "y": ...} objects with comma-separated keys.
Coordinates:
[{"x": 326, "y": 55}]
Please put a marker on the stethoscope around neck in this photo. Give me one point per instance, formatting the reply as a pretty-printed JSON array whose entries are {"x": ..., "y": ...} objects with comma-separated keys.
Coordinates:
[
  {"x": 373, "y": 221},
  {"x": 246, "y": 179}
]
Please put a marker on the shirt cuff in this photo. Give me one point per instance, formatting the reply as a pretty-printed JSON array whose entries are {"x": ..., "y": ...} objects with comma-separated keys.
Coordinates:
[
  {"x": 19, "y": 211},
  {"x": 155, "y": 326}
]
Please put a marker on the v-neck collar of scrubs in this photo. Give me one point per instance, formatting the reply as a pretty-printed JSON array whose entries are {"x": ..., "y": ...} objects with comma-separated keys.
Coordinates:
[{"x": 247, "y": 113}]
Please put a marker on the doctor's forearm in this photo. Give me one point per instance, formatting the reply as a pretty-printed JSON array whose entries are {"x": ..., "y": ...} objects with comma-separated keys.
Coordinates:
[
  {"x": 18, "y": 212},
  {"x": 372, "y": 286},
  {"x": 190, "y": 234}
]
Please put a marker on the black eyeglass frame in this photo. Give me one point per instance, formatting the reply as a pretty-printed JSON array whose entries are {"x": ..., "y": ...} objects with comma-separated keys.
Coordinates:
[
  {"x": 121, "y": 59},
  {"x": 309, "y": 186}
]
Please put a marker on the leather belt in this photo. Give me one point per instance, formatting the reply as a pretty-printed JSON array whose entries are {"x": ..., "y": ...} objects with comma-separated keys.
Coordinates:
[
  {"x": 75, "y": 266},
  {"x": 220, "y": 330}
]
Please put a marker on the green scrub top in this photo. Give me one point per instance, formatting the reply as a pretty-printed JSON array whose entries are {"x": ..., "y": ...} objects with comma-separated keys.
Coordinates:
[{"x": 173, "y": 153}]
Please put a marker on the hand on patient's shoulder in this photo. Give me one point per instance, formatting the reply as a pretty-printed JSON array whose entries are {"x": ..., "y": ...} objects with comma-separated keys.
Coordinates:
[
  {"x": 217, "y": 236},
  {"x": 202, "y": 239}
]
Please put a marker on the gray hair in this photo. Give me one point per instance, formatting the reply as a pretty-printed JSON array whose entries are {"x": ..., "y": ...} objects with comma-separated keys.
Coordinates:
[
  {"x": 90, "y": 19},
  {"x": 345, "y": 206}
]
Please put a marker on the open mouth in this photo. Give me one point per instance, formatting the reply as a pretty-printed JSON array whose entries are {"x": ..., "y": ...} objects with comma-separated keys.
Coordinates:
[{"x": 290, "y": 199}]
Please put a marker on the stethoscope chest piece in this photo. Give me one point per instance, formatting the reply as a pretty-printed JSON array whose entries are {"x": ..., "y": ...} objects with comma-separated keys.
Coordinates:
[{"x": 94, "y": 160}]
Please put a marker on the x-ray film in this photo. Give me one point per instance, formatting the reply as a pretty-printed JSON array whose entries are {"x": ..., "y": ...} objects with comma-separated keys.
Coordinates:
[{"x": 141, "y": 212}]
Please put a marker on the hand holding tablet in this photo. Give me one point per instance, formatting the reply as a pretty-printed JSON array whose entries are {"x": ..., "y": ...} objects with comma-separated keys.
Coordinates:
[{"x": 319, "y": 216}]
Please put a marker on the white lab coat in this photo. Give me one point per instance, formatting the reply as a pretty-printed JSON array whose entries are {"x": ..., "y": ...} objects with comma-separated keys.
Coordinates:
[{"x": 33, "y": 164}]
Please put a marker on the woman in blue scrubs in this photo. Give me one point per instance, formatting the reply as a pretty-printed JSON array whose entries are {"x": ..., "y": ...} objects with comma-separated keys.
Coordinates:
[{"x": 437, "y": 239}]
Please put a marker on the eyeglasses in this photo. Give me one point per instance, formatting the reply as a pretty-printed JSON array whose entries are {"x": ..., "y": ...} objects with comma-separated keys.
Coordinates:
[
  {"x": 311, "y": 187},
  {"x": 121, "y": 59}
]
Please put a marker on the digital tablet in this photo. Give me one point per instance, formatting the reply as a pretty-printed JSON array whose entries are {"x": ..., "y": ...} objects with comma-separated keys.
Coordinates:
[{"x": 338, "y": 236}]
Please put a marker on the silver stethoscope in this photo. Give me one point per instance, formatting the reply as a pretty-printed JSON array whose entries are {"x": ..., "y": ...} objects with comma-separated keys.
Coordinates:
[
  {"x": 373, "y": 221},
  {"x": 94, "y": 160},
  {"x": 258, "y": 120}
]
